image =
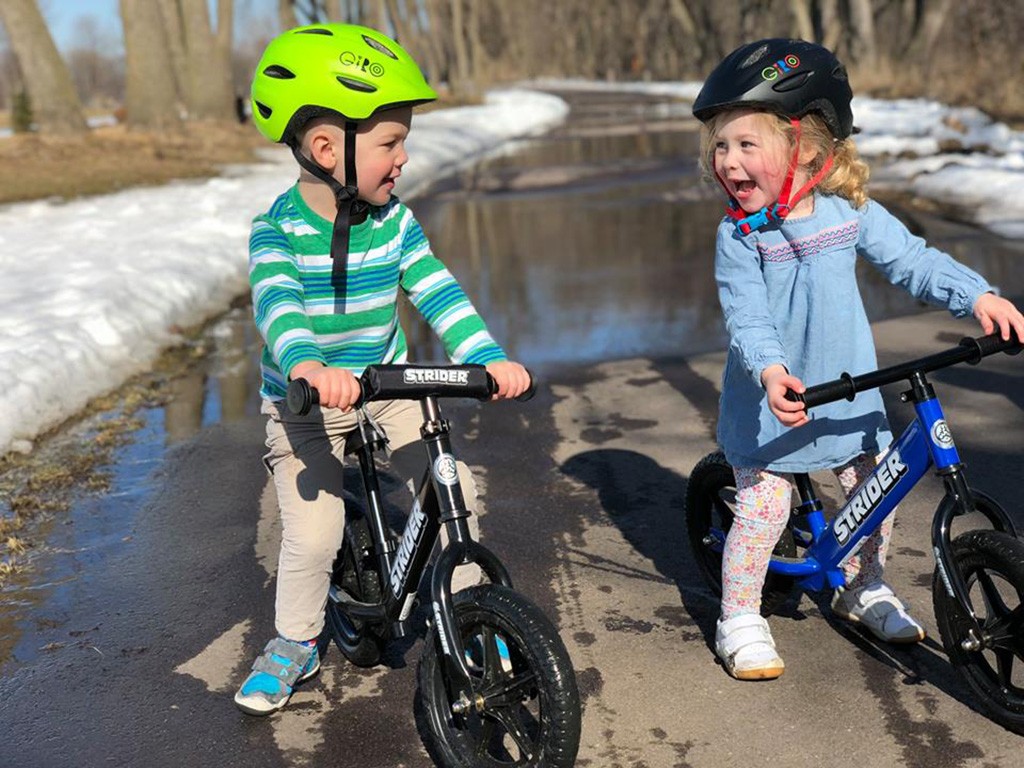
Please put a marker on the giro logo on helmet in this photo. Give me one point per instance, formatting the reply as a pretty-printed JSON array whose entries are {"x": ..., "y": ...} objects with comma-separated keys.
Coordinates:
[
  {"x": 781, "y": 67},
  {"x": 350, "y": 59}
]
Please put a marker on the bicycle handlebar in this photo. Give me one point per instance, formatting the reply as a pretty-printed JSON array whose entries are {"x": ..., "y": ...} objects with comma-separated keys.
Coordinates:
[
  {"x": 969, "y": 350},
  {"x": 409, "y": 382}
]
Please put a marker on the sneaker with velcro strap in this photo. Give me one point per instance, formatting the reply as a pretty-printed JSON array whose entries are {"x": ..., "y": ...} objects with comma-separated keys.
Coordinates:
[{"x": 275, "y": 673}]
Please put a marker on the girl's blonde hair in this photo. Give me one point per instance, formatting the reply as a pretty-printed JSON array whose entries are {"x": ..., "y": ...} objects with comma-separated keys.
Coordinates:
[{"x": 848, "y": 177}]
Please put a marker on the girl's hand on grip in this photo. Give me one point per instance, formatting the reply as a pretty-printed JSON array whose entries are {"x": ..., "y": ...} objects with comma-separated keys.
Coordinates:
[
  {"x": 777, "y": 381},
  {"x": 996, "y": 313}
]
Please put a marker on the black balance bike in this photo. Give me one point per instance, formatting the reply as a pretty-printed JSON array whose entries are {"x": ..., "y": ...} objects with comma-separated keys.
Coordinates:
[{"x": 496, "y": 686}]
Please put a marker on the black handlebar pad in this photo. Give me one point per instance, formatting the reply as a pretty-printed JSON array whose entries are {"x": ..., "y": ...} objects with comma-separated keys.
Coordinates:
[
  {"x": 969, "y": 350},
  {"x": 409, "y": 382},
  {"x": 414, "y": 382}
]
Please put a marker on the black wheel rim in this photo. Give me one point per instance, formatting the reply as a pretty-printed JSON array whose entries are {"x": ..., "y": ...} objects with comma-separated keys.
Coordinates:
[
  {"x": 1001, "y": 614},
  {"x": 509, "y": 729}
]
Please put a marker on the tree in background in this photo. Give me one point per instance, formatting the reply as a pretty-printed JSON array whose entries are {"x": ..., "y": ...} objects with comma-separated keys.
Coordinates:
[
  {"x": 96, "y": 64},
  {"x": 55, "y": 105},
  {"x": 151, "y": 95},
  {"x": 209, "y": 93}
]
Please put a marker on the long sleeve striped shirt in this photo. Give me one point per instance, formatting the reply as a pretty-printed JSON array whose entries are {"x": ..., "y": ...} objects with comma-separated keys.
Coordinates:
[{"x": 297, "y": 310}]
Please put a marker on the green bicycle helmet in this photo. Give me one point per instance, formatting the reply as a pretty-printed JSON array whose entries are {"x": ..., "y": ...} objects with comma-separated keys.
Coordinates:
[
  {"x": 345, "y": 70},
  {"x": 320, "y": 69}
]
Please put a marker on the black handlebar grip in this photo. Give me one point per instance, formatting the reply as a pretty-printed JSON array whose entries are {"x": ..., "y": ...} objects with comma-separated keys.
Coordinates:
[
  {"x": 984, "y": 346},
  {"x": 842, "y": 388},
  {"x": 492, "y": 385},
  {"x": 301, "y": 397},
  {"x": 531, "y": 390}
]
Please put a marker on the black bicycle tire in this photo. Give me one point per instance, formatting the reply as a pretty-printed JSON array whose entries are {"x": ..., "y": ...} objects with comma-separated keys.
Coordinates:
[
  {"x": 532, "y": 640},
  {"x": 712, "y": 475},
  {"x": 994, "y": 553},
  {"x": 357, "y": 573}
]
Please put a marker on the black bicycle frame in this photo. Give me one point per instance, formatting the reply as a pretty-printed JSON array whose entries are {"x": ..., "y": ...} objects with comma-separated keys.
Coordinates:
[{"x": 438, "y": 502}]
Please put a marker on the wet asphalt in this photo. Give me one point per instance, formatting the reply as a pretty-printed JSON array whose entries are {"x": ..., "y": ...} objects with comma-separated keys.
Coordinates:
[{"x": 127, "y": 653}]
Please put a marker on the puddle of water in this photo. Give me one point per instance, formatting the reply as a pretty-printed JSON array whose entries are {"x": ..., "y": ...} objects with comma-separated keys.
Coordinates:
[
  {"x": 597, "y": 242},
  {"x": 219, "y": 383}
]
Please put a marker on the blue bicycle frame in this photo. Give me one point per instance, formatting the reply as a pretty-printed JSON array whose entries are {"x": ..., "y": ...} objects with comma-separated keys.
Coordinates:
[{"x": 925, "y": 443}]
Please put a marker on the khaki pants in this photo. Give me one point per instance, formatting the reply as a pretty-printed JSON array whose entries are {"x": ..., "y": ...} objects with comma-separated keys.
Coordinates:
[{"x": 305, "y": 458}]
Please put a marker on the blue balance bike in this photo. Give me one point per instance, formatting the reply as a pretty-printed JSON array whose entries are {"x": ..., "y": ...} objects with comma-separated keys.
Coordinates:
[{"x": 978, "y": 585}]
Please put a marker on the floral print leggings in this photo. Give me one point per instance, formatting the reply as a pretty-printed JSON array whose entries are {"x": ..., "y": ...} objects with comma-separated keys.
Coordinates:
[{"x": 762, "y": 510}]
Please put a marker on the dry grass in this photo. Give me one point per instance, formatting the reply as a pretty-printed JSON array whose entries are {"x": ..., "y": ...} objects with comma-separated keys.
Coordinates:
[{"x": 113, "y": 158}]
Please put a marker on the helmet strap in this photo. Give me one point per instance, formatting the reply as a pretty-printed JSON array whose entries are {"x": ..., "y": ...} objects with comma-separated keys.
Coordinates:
[
  {"x": 780, "y": 209},
  {"x": 351, "y": 210}
]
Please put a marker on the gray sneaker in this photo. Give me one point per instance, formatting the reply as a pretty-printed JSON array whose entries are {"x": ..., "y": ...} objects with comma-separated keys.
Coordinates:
[{"x": 282, "y": 665}]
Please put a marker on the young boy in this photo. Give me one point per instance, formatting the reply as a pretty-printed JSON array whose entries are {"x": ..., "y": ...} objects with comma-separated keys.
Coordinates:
[{"x": 325, "y": 263}]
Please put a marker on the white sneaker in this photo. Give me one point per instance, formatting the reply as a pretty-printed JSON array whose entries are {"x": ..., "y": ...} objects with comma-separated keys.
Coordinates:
[
  {"x": 745, "y": 645},
  {"x": 877, "y": 608}
]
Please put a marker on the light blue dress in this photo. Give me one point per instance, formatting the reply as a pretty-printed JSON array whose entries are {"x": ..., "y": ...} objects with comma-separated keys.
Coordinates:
[{"x": 789, "y": 295}]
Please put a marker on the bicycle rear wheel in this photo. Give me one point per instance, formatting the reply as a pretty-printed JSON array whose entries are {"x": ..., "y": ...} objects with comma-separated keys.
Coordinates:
[
  {"x": 710, "y": 510},
  {"x": 531, "y": 715},
  {"x": 992, "y": 565},
  {"x": 356, "y": 572}
]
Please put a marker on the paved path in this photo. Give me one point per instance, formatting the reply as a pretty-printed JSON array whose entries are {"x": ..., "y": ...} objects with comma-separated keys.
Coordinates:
[{"x": 582, "y": 491}]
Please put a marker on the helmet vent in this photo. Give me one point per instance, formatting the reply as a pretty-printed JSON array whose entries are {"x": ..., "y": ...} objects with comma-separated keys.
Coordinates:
[
  {"x": 357, "y": 85},
  {"x": 792, "y": 83},
  {"x": 278, "y": 72},
  {"x": 378, "y": 46},
  {"x": 754, "y": 57},
  {"x": 315, "y": 31},
  {"x": 264, "y": 110}
]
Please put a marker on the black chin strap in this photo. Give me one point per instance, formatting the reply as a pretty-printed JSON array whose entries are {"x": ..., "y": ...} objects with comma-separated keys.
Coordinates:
[{"x": 351, "y": 210}]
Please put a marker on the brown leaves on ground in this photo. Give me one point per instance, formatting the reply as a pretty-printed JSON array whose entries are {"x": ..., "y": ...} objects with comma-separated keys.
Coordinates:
[{"x": 113, "y": 158}]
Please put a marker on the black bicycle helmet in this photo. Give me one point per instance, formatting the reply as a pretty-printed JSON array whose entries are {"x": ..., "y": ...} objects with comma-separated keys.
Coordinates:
[{"x": 792, "y": 77}]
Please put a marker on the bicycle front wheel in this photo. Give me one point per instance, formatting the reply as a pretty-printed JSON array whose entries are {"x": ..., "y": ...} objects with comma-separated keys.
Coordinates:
[
  {"x": 992, "y": 566},
  {"x": 531, "y": 711}
]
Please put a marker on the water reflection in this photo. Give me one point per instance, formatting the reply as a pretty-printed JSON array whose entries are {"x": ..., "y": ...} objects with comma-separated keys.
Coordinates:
[
  {"x": 596, "y": 242},
  {"x": 222, "y": 385}
]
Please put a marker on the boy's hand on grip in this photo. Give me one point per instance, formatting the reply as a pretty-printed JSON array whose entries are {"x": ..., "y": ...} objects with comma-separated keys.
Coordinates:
[
  {"x": 337, "y": 387},
  {"x": 512, "y": 379}
]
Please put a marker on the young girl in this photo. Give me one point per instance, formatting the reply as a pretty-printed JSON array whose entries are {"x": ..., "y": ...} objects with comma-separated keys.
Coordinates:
[{"x": 777, "y": 123}]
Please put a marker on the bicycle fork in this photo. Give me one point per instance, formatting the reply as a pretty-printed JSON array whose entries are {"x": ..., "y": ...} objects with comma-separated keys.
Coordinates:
[{"x": 461, "y": 548}]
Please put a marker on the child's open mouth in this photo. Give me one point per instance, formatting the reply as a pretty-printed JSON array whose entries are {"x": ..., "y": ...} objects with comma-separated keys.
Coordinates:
[{"x": 744, "y": 189}]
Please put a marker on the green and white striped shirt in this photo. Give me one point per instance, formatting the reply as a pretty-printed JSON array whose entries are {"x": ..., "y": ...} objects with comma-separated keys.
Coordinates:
[{"x": 294, "y": 302}]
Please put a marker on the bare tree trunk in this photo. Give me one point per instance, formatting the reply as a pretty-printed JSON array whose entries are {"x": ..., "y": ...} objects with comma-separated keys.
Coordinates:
[
  {"x": 55, "y": 104},
  {"x": 681, "y": 13},
  {"x": 802, "y": 19},
  {"x": 831, "y": 24},
  {"x": 463, "y": 78},
  {"x": 209, "y": 94},
  {"x": 286, "y": 14},
  {"x": 151, "y": 101},
  {"x": 927, "y": 27},
  {"x": 863, "y": 46},
  {"x": 170, "y": 12},
  {"x": 433, "y": 30}
]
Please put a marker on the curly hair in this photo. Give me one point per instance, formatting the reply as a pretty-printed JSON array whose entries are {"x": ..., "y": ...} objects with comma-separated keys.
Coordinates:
[{"x": 848, "y": 176}]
